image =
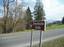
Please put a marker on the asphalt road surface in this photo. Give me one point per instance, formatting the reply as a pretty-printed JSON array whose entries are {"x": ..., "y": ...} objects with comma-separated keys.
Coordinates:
[{"x": 20, "y": 39}]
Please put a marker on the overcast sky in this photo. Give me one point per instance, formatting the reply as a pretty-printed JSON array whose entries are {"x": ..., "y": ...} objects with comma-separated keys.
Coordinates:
[{"x": 54, "y": 9}]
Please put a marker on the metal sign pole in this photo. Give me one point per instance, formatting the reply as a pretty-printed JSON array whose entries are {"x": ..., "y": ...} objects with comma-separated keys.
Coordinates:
[
  {"x": 39, "y": 25},
  {"x": 40, "y": 38},
  {"x": 31, "y": 38}
]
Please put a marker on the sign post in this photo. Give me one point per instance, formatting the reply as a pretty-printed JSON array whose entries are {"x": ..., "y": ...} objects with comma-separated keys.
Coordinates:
[
  {"x": 38, "y": 25},
  {"x": 40, "y": 38},
  {"x": 31, "y": 38},
  {"x": 31, "y": 26}
]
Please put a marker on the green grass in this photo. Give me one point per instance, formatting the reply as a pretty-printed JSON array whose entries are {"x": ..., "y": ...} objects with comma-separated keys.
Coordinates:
[
  {"x": 53, "y": 43},
  {"x": 55, "y": 26}
]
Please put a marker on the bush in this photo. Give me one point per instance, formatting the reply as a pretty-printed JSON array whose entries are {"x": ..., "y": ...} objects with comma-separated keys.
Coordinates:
[{"x": 63, "y": 20}]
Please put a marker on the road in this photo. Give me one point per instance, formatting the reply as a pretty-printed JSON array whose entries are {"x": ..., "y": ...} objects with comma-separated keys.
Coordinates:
[{"x": 21, "y": 39}]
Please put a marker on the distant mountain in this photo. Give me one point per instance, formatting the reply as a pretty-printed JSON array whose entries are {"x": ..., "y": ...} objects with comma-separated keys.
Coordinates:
[{"x": 55, "y": 21}]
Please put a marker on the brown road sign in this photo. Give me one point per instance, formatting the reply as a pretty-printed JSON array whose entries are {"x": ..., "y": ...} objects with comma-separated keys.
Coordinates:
[{"x": 39, "y": 25}]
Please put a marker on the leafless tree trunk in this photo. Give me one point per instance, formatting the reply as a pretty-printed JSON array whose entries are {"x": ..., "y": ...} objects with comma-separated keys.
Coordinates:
[
  {"x": 6, "y": 10},
  {"x": 14, "y": 21},
  {"x": 4, "y": 26}
]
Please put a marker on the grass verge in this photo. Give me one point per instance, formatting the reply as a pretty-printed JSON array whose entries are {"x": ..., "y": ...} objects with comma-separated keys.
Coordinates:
[
  {"x": 55, "y": 26},
  {"x": 53, "y": 43}
]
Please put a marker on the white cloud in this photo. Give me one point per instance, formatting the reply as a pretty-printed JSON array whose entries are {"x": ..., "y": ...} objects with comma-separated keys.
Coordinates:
[
  {"x": 53, "y": 9},
  {"x": 50, "y": 4},
  {"x": 19, "y": 1}
]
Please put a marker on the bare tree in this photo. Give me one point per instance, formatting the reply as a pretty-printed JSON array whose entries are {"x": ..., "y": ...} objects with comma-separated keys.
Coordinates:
[
  {"x": 6, "y": 27},
  {"x": 19, "y": 16},
  {"x": 12, "y": 15},
  {"x": 6, "y": 9},
  {"x": 15, "y": 16}
]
